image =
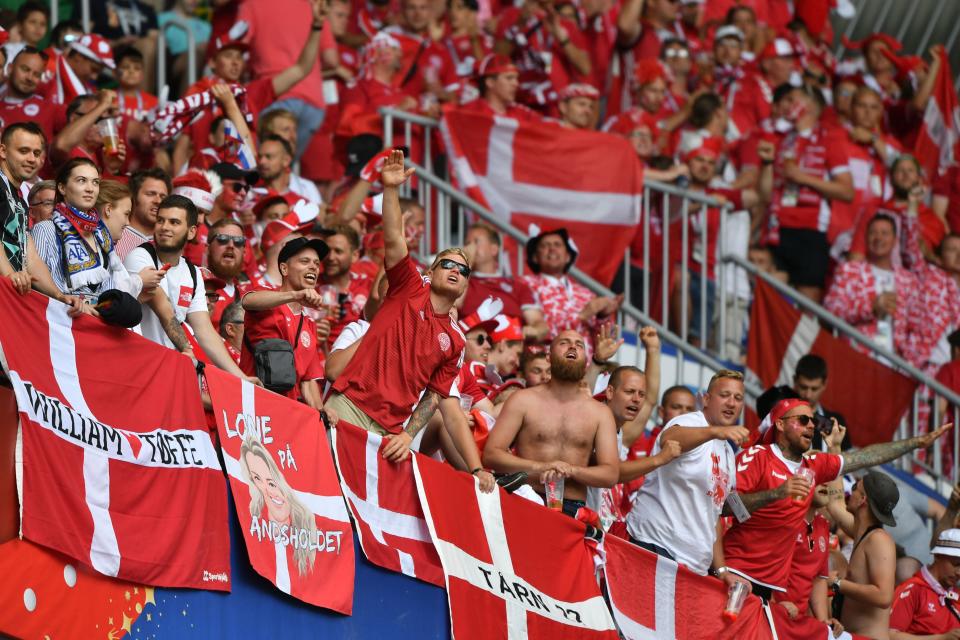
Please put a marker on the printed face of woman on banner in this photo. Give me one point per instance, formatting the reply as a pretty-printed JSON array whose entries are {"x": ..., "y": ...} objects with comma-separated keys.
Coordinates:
[{"x": 264, "y": 477}]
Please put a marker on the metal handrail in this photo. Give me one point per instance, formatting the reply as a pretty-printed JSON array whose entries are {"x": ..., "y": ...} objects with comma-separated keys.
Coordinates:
[
  {"x": 845, "y": 328},
  {"x": 84, "y": 15},
  {"x": 175, "y": 21},
  {"x": 488, "y": 216}
]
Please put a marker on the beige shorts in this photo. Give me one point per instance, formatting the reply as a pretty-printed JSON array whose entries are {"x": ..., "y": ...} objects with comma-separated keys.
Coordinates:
[{"x": 346, "y": 410}]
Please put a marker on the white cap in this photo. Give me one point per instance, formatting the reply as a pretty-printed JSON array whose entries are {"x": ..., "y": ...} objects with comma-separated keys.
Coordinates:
[
  {"x": 728, "y": 31},
  {"x": 948, "y": 544}
]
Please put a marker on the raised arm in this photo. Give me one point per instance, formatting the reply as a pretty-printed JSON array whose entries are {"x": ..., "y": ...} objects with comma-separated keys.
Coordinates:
[
  {"x": 690, "y": 438},
  {"x": 286, "y": 79},
  {"x": 886, "y": 451},
  {"x": 392, "y": 176},
  {"x": 651, "y": 373},
  {"x": 263, "y": 300},
  {"x": 633, "y": 469},
  {"x": 628, "y": 23}
]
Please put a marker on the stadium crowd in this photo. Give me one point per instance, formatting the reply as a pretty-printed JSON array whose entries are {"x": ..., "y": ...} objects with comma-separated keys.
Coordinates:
[{"x": 253, "y": 221}]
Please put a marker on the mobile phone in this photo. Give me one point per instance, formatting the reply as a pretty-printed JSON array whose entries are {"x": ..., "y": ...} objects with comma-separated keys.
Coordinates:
[{"x": 824, "y": 424}]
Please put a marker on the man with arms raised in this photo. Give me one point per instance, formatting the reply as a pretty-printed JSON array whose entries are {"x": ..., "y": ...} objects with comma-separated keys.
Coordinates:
[
  {"x": 412, "y": 346},
  {"x": 556, "y": 431}
]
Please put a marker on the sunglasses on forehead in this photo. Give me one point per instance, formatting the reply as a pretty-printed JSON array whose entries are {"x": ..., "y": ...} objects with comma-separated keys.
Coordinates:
[
  {"x": 446, "y": 263},
  {"x": 222, "y": 239}
]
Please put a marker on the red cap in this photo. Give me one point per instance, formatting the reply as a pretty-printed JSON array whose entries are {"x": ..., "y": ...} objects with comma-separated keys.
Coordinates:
[
  {"x": 695, "y": 145},
  {"x": 779, "y": 48},
  {"x": 627, "y": 125},
  {"x": 768, "y": 433},
  {"x": 95, "y": 47},
  {"x": 905, "y": 65},
  {"x": 272, "y": 196},
  {"x": 232, "y": 39},
  {"x": 890, "y": 41},
  {"x": 494, "y": 64},
  {"x": 277, "y": 230},
  {"x": 649, "y": 70},
  {"x": 195, "y": 186},
  {"x": 579, "y": 90},
  {"x": 508, "y": 328}
]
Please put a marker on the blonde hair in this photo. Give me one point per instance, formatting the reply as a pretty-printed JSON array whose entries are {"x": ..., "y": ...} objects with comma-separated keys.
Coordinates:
[
  {"x": 452, "y": 251},
  {"x": 725, "y": 374},
  {"x": 300, "y": 516},
  {"x": 112, "y": 192}
]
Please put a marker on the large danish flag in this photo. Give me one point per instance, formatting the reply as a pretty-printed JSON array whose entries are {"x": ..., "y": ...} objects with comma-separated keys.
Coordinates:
[
  {"x": 513, "y": 569},
  {"x": 294, "y": 522},
  {"x": 535, "y": 173},
  {"x": 118, "y": 468},
  {"x": 382, "y": 497},
  {"x": 938, "y": 141},
  {"x": 654, "y": 598}
]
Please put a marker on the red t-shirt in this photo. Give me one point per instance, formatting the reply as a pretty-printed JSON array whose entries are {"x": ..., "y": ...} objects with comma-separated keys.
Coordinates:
[
  {"x": 948, "y": 185},
  {"x": 358, "y": 290},
  {"x": 949, "y": 375},
  {"x": 748, "y": 100},
  {"x": 409, "y": 347},
  {"x": 33, "y": 109},
  {"x": 136, "y": 105},
  {"x": 259, "y": 95},
  {"x": 514, "y": 293},
  {"x": 918, "y": 610},
  {"x": 761, "y": 548},
  {"x": 811, "y": 560},
  {"x": 432, "y": 59},
  {"x": 370, "y": 94},
  {"x": 281, "y": 322}
]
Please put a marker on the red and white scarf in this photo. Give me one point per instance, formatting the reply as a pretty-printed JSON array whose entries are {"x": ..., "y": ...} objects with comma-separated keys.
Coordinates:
[{"x": 170, "y": 120}]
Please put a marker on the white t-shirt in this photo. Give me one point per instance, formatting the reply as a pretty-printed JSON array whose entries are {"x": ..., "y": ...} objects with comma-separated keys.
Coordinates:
[
  {"x": 178, "y": 285},
  {"x": 350, "y": 334},
  {"x": 678, "y": 506},
  {"x": 305, "y": 188}
]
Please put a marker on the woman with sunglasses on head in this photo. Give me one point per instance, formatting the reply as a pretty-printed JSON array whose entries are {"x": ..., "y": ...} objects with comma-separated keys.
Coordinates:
[{"x": 75, "y": 243}]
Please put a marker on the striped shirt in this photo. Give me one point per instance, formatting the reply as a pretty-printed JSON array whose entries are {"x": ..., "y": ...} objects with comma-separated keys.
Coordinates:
[
  {"x": 130, "y": 239},
  {"x": 47, "y": 241}
]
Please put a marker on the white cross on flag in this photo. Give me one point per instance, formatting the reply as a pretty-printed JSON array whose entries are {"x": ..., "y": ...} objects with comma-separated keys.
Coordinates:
[
  {"x": 382, "y": 497},
  {"x": 938, "y": 141},
  {"x": 119, "y": 470},
  {"x": 294, "y": 522},
  {"x": 653, "y": 598},
  {"x": 513, "y": 569},
  {"x": 535, "y": 173}
]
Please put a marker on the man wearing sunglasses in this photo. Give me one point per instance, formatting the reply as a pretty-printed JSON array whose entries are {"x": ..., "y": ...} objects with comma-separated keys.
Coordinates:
[
  {"x": 770, "y": 482},
  {"x": 225, "y": 250},
  {"x": 413, "y": 346},
  {"x": 235, "y": 184}
]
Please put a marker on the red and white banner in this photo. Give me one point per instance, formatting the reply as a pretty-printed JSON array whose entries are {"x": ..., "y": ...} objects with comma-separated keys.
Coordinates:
[
  {"x": 537, "y": 173},
  {"x": 654, "y": 598},
  {"x": 383, "y": 499},
  {"x": 119, "y": 470},
  {"x": 869, "y": 394},
  {"x": 294, "y": 522},
  {"x": 937, "y": 143},
  {"x": 513, "y": 569}
]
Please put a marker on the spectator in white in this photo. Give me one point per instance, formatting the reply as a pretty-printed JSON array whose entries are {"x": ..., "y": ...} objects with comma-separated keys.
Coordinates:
[
  {"x": 22, "y": 146},
  {"x": 149, "y": 187},
  {"x": 75, "y": 244},
  {"x": 412, "y": 345},
  {"x": 579, "y": 103},
  {"x": 280, "y": 314},
  {"x": 114, "y": 204},
  {"x": 489, "y": 280},
  {"x": 925, "y": 605},
  {"x": 180, "y": 296},
  {"x": 275, "y": 165},
  {"x": 676, "y": 511},
  {"x": 878, "y": 296}
]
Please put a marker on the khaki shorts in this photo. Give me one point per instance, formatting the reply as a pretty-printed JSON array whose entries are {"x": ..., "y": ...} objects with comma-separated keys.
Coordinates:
[{"x": 346, "y": 410}]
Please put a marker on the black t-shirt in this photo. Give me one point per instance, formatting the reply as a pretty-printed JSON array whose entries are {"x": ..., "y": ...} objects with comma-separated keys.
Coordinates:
[{"x": 114, "y": 19}]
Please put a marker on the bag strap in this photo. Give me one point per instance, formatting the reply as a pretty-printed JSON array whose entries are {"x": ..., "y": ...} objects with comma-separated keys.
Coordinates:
[
  {"x": 412, "y": 71},
  {"x": 151, "y": 249},
  {"x": 296, "y": 336}
]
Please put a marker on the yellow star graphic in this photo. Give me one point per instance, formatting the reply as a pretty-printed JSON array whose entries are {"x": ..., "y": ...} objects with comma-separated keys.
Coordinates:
[
  {"x": 148, "y": 596},
  {"x": 127, "y": 623},
  {"x": 126, "y": 594}
]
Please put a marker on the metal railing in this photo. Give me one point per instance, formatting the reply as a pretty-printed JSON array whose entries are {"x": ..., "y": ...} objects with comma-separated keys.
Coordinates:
[
  {"x": 175, "y": 21},
  {"x": 685, "y": 227}
]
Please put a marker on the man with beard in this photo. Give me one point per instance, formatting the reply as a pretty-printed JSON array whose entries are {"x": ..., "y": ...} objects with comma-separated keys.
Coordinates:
[
  {"x": 554, "y": 431},
  {"x": 149, "y": 188},
  {"x": 180, "y": 296},
  {"x": 225, "y": 247},
  {"x": 413, "y": 348},
  {"x": 352, "y": 288},
  {"x": 20, "y": 101}
]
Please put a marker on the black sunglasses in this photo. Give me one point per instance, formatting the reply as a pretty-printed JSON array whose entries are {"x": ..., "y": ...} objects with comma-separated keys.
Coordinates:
[
  {"x": 484, "y": 338},
  {"x": 239, "y": 186},
  {"x": 453, "y": 264},
  {"x": 803, "y": 420},
  {"x": 222, "y": 238}
]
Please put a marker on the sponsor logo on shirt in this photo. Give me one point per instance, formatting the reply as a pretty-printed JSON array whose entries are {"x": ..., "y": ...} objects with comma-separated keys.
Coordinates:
[
  {"x": 823, "y": 545},
  {"x": 31, "y": 110},
  {"x": 444, "y": 341},
  {"x": 186, "y": 295},
  {"x": 305, "y": 339},
  {"x": 779, "y": 476}
]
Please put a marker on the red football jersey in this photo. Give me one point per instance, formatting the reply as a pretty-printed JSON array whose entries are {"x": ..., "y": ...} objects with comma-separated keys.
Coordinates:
[
  {"x": 514, "y": 293},
  {"x": 918, "y": 608},
  {"x": 33, "y": 109},
  {"x": 762, "y": 547},
  {"x": 408, "y": 347},
  {"x": 358, "y": 290},
  {"x": 811, "y": 560}
]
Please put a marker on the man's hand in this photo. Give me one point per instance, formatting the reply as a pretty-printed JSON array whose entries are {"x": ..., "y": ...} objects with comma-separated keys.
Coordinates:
[
  {"x": 371, "y": 171},
  {"x": 592, "y": 308},
  {"x": 670, "y": 451},
  {"x": 791, "y": 608},
  {"x": 487, "y": 482},
  {"x": 836, "y": 626},
  {"x": 393, "y": 173},
  {"x": 928, "y": 439},
  {"x": 736, "y": 435},
  {"x": 955, "y": 497},
  {"x": 21, "y": 281},
  {"x": 953, "y": 634},
  {"x": 650, "y": 338},
  {"x": 106, "y": 98},
  {"x": 113, "y": 162},
  {"x": 555, "y": 470},
  {"x": 835, "y": 439},
  {"x": 151, "y": 277},
  {"x": 885, "y": 304},
  {"x": 332, "y": 417},
  {"x": 607, "y": 343},
  {"x": 323, "y": 329},
  {"x": 794, "y": 487},
  {"x": 319, "y": 10},
  {"x": 223, "y": 94},
  {"x": 793, "y": 172},
  {"x": 730, "y": 578},
  {"x": 251, "y": 379},
  {"x": 766, "y": 151},
  {"x": 310, "y": 298},
  {"x": 397, "y": 448}
]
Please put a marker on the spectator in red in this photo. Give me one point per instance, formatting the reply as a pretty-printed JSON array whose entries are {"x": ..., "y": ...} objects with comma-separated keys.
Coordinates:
[
  {"x": 801, "y": 178},
  {"x": 488, "y": 280},
  {"x": 20, "y": 101},
  {"x": 579, "y": 106},
  {"x": 412, "y": 346},
  {"x": 676, "y": 57},
  {"x": 78, "y": 69},
  {"x": 949, "y": 373},
  {"x": 499, "y": 81},
  {"x": 149, "y": 188},
  {"x": 134, "y": 100},
  {"x": 939, "y": 298},
  {"x": 879, "y": 297},
  {"x": 642, "y": 28},
  {"x": 231, "y": 194},
  {"x": 466, "y": 41},
  {"x": 82, "y": 137},
  {"x": 690, "y": 23},
  {"x": 276, "y": 29},
  {"x": 275, "y": 235},
  {"x": 905, "y": 180},
  {"x": 231, "y": 330},
  {"x": 352, "y": 288},
  {"x": 566, "y": 304},
  {"x": 549, "y": 50},
  {"x": 377, "y": 87},
  {"x": 651, "y": 100},
  {"x": 507, "y": 338},
  {"x": 426, "y": 69},
  {"x": 924, "y": 606},
  {"x": 280, "y": 314},
  {"x": 224, "y": 259}
]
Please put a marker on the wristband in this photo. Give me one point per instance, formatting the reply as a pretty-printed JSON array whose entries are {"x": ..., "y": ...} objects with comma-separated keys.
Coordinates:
[
  {"x": 564, "y": 43},
  {"x": 475, "y": 471},
  {"x": 835, "y": 586},
  {"x": 316, "y": 27},
  {"x": 599, "y": 363}
]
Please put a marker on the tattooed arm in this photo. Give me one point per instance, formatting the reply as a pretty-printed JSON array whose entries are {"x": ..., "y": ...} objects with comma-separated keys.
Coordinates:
[
  {"x": 792, "y": 487},
  {"x": 397, "y": 447},
  {"x": 886, "y": 451},
  {"x": 161, "y": 306}
]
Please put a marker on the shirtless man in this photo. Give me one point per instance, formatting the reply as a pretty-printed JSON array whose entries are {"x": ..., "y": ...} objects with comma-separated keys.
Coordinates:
[
  {"x": 868, "y": 588},
  {"x": 557, "y": 431}
]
